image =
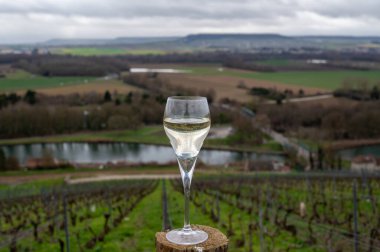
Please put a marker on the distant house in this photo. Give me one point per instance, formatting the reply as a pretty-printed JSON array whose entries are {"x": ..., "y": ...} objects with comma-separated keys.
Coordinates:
[
  {"x": 280, "y": 166},
  {"x": 247, "y": 112},
  {"x": 41, "y": 163},
  {"x": 265, "y": 165},
  {"x": 365, "y": 163}
]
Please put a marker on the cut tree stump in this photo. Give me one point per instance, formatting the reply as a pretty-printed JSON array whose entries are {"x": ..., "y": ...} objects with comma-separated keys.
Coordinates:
[{"x": 216, "y": 242}]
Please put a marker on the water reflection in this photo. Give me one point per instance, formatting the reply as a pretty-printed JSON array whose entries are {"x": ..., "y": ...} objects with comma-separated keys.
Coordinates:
[
  {"x": 128, "y": 152},
  {"x": 363, "y": 150}
]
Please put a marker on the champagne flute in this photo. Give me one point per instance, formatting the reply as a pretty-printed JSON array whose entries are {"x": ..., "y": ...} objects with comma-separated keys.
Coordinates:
[{"x": 186, "y": 123}]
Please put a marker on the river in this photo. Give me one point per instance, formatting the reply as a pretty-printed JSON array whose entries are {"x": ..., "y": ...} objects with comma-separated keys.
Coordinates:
[
  {"x": 83, "y": 153},
  {"x": 361, "y": 150}
]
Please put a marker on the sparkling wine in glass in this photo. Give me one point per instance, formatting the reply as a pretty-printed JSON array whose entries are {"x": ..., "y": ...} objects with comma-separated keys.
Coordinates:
[{"x": 187, "y": 123}]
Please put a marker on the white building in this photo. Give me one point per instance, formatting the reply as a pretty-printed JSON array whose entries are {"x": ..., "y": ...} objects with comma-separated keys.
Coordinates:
[
  {"x": 317, "y": 61},
  {"x": 365, "y": 163}
]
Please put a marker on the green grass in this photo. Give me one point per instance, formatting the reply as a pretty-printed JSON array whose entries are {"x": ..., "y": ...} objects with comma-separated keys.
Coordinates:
[
  {"x": 310, "y": 144},
  {"x": 272, "y": 146},
  {"x": 319, "y": 79},
  {"x": 98, "y": 51},
  {"x": 21, "y": 80},
  {"x": 149, "y": 134},
  {"x": 234, "y": 142},
  {"x": 139, "y": 228}
]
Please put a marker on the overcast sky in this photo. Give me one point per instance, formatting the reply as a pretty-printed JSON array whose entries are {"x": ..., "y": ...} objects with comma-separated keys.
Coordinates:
[{"x": 38, "y": 20}]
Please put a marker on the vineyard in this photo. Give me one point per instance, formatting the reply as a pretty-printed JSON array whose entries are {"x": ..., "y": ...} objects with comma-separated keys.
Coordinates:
[
  {"x": 299, "y": 212},
  {"x": 74, "y": 218}
]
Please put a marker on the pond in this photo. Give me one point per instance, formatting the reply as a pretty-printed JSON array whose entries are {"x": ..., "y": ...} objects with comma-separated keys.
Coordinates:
[
  {"x": 157, "y": 70},
  {"x": 82, "y": 153},
  {"x": 362, "y": 150}
]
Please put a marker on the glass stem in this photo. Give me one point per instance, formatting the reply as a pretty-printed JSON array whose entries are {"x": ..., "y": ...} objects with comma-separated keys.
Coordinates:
[{"x": 186, "y": 189}]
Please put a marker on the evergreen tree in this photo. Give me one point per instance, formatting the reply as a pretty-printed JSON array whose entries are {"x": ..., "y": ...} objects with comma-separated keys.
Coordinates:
[
  {"x": 3, "y": 101},
  {"x": 12, "y": 164},
  {"x": 320, "y": 158},
  {"x": 13, "y": 98},
  {"x": 30, "y": 97},
  {"x": 301, "y": 92},
  {"x": 340, "y": 163},
  {"x": 145, "y": 96},
  {"x": 128, "y": 98},
  {"x": 375, "y": 93},
  {"x": 279, "y": 100},
  {"x": 107, "y": 96},
  {"x": 311, "y": 160},
  {"x": 2, "y": 160}
]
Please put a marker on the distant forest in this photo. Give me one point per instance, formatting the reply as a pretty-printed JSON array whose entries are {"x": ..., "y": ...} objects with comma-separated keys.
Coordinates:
[{"x": 68, "y": 65}]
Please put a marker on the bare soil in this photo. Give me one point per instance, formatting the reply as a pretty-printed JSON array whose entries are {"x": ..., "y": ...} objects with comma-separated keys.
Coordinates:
[{"x": 226, "y": 86}]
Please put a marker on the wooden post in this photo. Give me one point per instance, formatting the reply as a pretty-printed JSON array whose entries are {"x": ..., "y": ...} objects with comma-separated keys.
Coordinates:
[
  {"x": 355, "y": 199},
  {"x": 216, "y": 242},
  {"x": 67, "y": 234}
]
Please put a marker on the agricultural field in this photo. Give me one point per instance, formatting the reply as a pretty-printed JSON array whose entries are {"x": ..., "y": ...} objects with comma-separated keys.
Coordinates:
[
  {"x": 18, "y": 80},
  {"x": 328, "y": 80},
  {"x": 101, "y": 51},
  {"x": 98, "y": 86},
  {"x": 325, "y": 80},
  {"x": 296, "y": 212},
  {"x": 226, "y": 80},
  {"x": 227, "y": 85}
]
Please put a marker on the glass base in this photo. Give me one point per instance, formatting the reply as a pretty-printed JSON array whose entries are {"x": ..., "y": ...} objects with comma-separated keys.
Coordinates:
[{"x": 191, "y": 237}]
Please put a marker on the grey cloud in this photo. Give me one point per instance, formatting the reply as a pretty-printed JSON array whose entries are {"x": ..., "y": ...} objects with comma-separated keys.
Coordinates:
[
  {"x": 35, "y": 20},
  {"x": 343, "y": 8},
  {"x": 195, "y": 9}
]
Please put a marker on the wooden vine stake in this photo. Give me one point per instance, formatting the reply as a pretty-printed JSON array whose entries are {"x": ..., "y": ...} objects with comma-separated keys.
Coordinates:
[{"x": 216, "y": 242}]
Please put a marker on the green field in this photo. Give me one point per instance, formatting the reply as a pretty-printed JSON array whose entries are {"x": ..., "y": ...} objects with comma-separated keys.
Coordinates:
[
  {"x": 21, "y": 80},
  {"x": 321, "y": 79},
  {"x": 149, "y": 134},
  {"x": 97, "y": 51},
  {"x": 331, "y": 80}
]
